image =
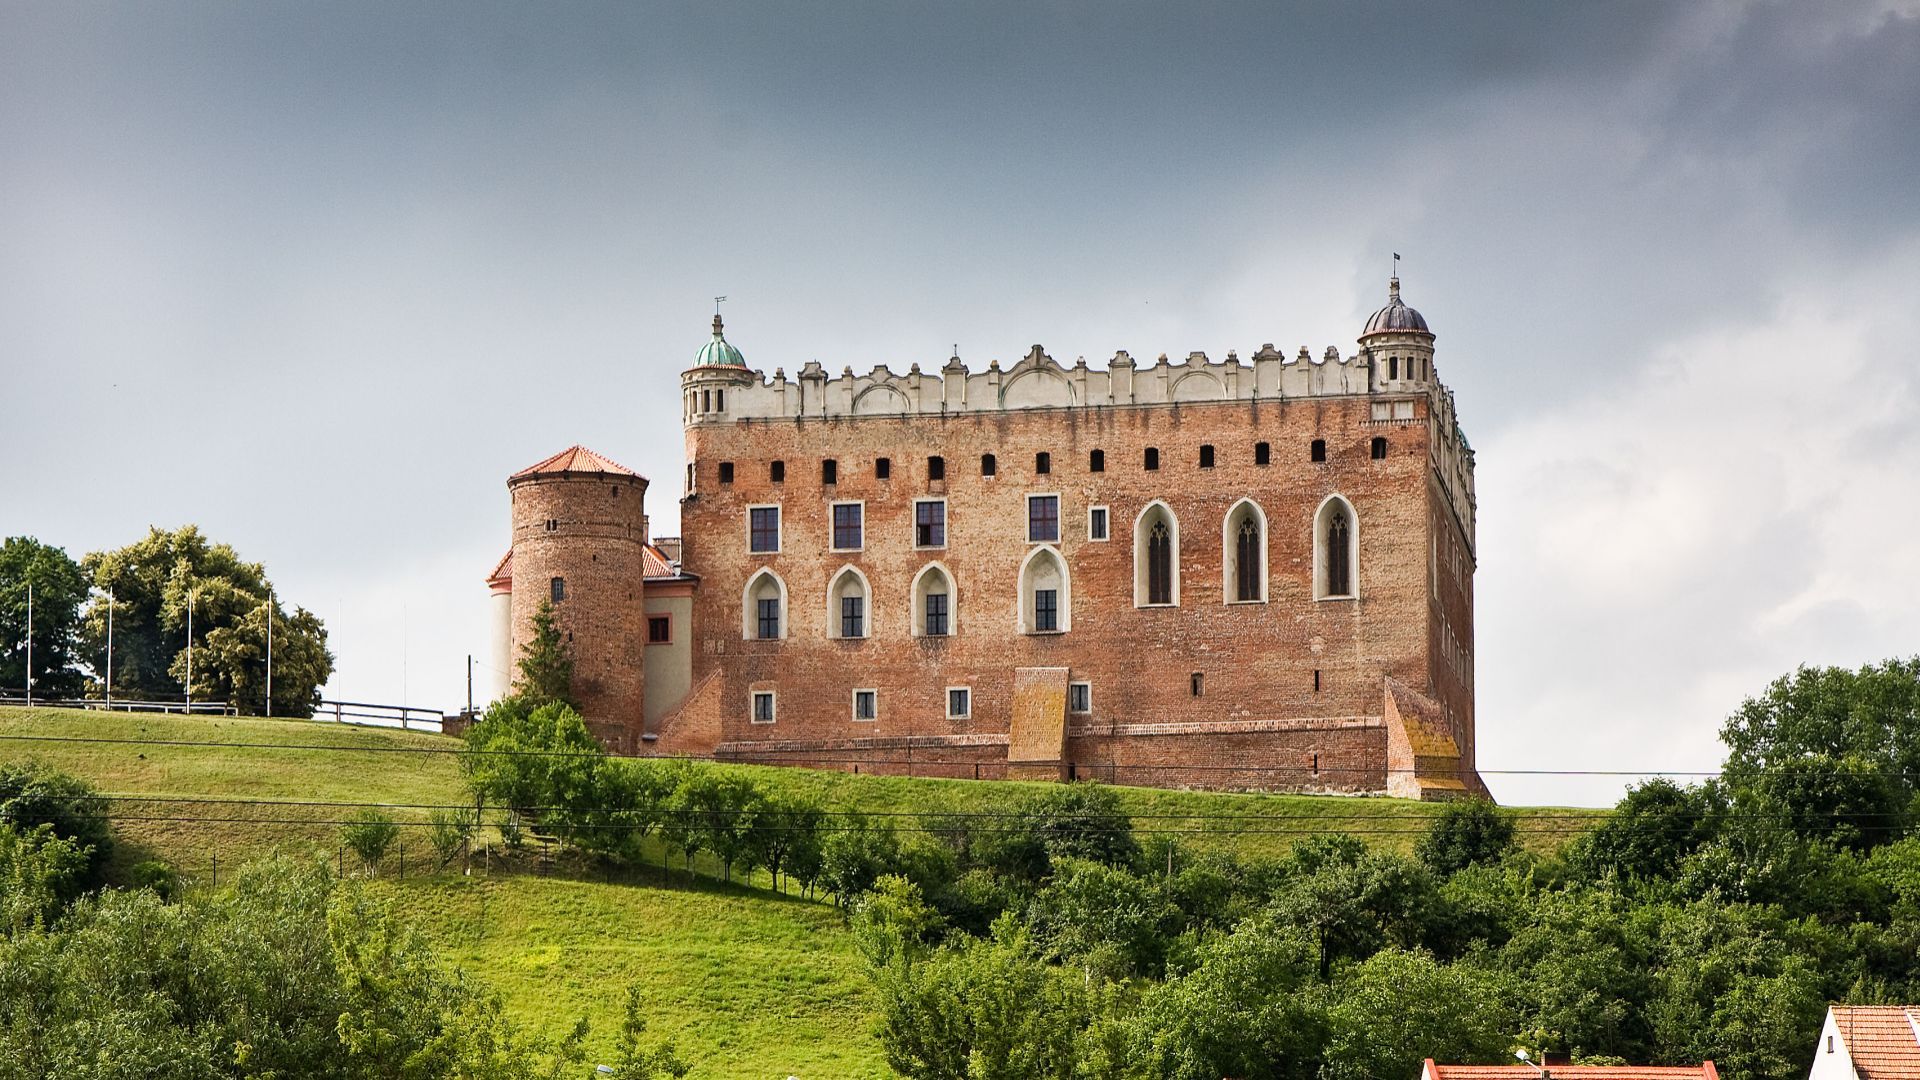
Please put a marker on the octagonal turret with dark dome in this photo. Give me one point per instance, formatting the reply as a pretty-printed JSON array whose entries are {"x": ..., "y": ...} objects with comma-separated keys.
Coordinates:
[{"x": 1396, "y": 317}]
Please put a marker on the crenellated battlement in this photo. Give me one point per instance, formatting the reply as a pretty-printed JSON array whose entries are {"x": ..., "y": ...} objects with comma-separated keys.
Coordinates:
[{"x": 1038, "y": 381}]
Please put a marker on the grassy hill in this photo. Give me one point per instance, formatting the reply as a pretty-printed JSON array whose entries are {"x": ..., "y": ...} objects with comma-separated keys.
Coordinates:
[{"x": 749, "y": 982}]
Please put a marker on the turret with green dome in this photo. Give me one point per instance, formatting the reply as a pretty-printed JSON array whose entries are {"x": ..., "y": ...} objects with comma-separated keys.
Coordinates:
[{"x": 717, "y": 368}]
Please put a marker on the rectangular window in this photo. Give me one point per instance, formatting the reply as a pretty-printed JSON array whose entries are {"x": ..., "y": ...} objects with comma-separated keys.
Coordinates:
[
  {"x": 777, "y": 472},
  {"x": 1316, "y": 680},
  {"x": 936, "y": 468},
  {"x": 853, "y": 616},
  {"x": 866, "y": 704},
  {"x": 1080, "y": 697},
  {"x": 1378, "y": 451},
  {"x": 987, "y": 465},
  {"x": 1197, "y": 683},
  {"x": 763, "y": 706},
  {"x": 829, "y": 471},
  {"x": 1206, "y": 457},
  {"x": 1318, "y": 451},
  {"x": 557, "y": 589},
  {"x": 768, "y": 612},
  {"x": 1153, "y": 458},
  {"x": 1097, "y": 523},
  {"x": 847, "y": 519},
  {"x": 1043, "y": 519},
  {"x": 882, "y": 468},
  {"x": 959, "y": 703},
  {"x": 726, "y": 472},
  {"x": 659, "y": 630},
  {"x": 763, "y": 529},
  {"x": 1042, "y": 463},
  {"x": 930, "y": 523},
  {"x": 1097, "y": 461},
  {"x": 1262, "y": 454},
  {"x": 1046, "y": 609},
  {"x": 936, "y": 614}
]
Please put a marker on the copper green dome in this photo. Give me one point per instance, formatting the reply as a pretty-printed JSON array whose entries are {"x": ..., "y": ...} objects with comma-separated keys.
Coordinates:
[{"x": 718, "y": 353}]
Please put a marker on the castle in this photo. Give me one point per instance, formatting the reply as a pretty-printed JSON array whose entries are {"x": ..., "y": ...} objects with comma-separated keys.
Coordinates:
[{"x": 1249, "y": 574}]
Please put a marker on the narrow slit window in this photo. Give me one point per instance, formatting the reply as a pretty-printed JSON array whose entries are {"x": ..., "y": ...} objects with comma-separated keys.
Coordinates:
[
  {"x": 1206, "y": 457},
  {"x": 1153, "y": 458},
  {"x": 1042, "y": 463},
  {"x": 1097, "y": 461},
  {"x": 936, "y": 468},
  {"x": 1393, "y": 367},
  {"x": 829, "y": 471},
  {"x": 1197, "y": 683},
  {"x": 1262, "y": 454},
  {"x": 1316, "y": 680},
  {"x": 988, "y": 466}
]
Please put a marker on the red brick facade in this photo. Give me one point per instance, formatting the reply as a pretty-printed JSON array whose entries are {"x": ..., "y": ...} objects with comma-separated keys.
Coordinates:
[{"x": 1069, "y": 667}]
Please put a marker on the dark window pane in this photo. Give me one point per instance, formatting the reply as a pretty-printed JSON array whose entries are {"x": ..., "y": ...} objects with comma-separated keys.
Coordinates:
[
  {"x": 1159, "y": 564},
  {"x": 829, "y": 471},
  {"x": 936, "y": 614},
  {"x": 557, "y": 588},
  {"x": 726, "y": 472},
  {"x": 882, "y": 468},
  {"x": 777, "y": 472},
  {"x": 1043, "y": 462},
  {"x": 936, "y": 468},
  {"x": 930, "y": 524},
  {"x": 1043, "y": 518},
  {"x": 764, "y": 529},
  {"x": 1262, "y": 454},
  {"x": 1339, "y": 557},
  {"x": 1046, "y": 609},
  {"x": 763, "y": 708},
  {"x": 863, "y": 704},
  {"x": 1379, "y": 450},
  {"x": 1153, "y": 458},
  {"x": 959, "y": 703},
  {"x": 659, "y": 629},
  {"x": 1079, "y": 697},
  {"x": 987, "y": 465},
  {"x": 852, "y": 616},
  {"x": 769, "y": 612},
  {"x": 1246, "y": 560},
  {"x": 1318, "y": 451},
  {"x": 1206, "y": 457},
  {"x": 1097, "y": 524},
  {"x": 1097, "y": 461}
]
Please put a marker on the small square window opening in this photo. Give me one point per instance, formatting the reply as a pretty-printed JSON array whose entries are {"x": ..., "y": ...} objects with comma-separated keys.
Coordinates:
[
  {"x": 959, "y": 703},
  {"x": 1079, "y": 697},
  {"x": 882, "y": 468},
  {"x": 865, "y": 704},
  {"x": 659, "y": 629},
  {"x": 763, "y": 706}
]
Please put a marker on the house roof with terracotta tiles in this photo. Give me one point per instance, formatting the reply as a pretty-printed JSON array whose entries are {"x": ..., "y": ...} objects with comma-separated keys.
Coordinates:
[
  {"x": 1883, "y": 1040},
  {"x": 502, "y": 570},
  {"x": 574, "y": 459},
  {"x": 1702, "y": 1071}
]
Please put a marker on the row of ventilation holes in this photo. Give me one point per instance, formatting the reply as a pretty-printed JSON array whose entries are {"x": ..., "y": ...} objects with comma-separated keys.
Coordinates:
[{"x": 1043, "y": 462}]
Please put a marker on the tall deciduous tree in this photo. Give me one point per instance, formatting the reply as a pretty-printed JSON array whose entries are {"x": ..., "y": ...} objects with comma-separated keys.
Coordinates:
[
  {"x": 59, "y": 589},
  {"x": 152, "y": 583}
]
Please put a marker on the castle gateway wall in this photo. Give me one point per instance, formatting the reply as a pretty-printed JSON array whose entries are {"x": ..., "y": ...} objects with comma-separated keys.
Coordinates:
[{"x": 1272, "y": 686}]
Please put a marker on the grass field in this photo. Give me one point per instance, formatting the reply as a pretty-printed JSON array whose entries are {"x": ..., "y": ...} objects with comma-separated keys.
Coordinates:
[{"x": 748, "y": 982}]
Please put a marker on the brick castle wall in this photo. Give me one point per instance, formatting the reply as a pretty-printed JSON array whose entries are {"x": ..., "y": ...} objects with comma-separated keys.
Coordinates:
[{"x": 1260, "y": 711}]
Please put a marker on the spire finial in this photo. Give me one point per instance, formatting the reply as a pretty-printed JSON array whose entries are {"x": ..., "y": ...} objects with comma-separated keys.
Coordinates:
[
  {"x": 1393, "y": 283},
  {"x": 717, "y": 301}
]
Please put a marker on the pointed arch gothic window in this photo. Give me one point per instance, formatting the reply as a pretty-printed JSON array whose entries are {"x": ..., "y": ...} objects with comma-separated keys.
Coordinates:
[
  {"x": 1246, "y": 559},
  {"x": 1339, "y": 574},
  {"x": 1159, "y": 564}
]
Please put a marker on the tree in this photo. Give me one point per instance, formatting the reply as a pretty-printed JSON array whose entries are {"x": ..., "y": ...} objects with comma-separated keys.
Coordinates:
[
  {"x": 1467, "y": 832},
  {"x": 59, "y": 589},
  {"x": 546, "y": 664},
  {"x": 150, "y": 584},
  {"x": 370, "y": 834},
  {"x": 1655, "y": 826},
  {"x": 1104, "y": 919},
  {"x": 33, "y": 794},
  {"x": 1398, "y": 1007},
  {"x": 1836, "y": 752}
]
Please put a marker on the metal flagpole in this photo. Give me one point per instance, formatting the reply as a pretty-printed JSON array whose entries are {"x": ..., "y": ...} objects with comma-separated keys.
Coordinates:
[
  {"x": 30, "y": 642},
  {"x": 189, "y": 654},
  {"x": 269, "y": 652},
  {"x": 109, "y": 683}
]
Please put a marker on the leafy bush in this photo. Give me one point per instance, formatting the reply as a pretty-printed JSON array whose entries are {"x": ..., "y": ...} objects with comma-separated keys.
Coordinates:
[
  {"x": 450, "y": 831},
  {"x": 32, "y": 793},
  {"x": 369, "y": 835}
]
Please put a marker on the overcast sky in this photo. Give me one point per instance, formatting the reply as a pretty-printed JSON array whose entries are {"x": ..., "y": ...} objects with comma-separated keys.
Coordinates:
[{"x": 318, "y": 277}]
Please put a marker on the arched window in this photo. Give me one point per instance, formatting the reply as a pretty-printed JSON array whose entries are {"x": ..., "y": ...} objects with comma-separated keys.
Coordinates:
[
  {"x": 1243, "y": 545},
  {"x": 1097, "y": 461},
  {"x": 849, "y": 605},
  {"x": 1045, "y": 593},
  {"x": 987, "y": 465},
  {"x": 1156, "y": 556},
  {"x": 763, "y": 607},
  {"x": 1336, "y": 551},
  {"x": 934, "y": 610}
]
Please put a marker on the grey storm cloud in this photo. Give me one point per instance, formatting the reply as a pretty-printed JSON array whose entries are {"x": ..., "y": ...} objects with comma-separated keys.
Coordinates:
[{"x": 318, "y": 278}]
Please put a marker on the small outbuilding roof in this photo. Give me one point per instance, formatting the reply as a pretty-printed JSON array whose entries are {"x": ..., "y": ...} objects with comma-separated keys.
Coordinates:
[
  {"x": 1702, "y": 1071},
  {"x": 1882, "y": 1040}
]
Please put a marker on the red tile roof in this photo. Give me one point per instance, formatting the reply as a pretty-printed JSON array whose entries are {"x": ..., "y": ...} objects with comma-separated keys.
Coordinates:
[
  {"x": 502, "y": 570},
  {"x": 575, "y": 459},
  {"x": 1702, "y": 1071},
  {"x": 656, "y": 562},
  {"x": 1883, "y": 1040}
]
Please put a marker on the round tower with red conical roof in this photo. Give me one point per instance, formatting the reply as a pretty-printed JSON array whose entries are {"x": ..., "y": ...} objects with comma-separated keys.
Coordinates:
[{"x": 579, "y": 542}]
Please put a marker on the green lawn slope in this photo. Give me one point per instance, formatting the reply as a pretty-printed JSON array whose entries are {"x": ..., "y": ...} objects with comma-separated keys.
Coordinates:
[{"x": 747, "y": 981}]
